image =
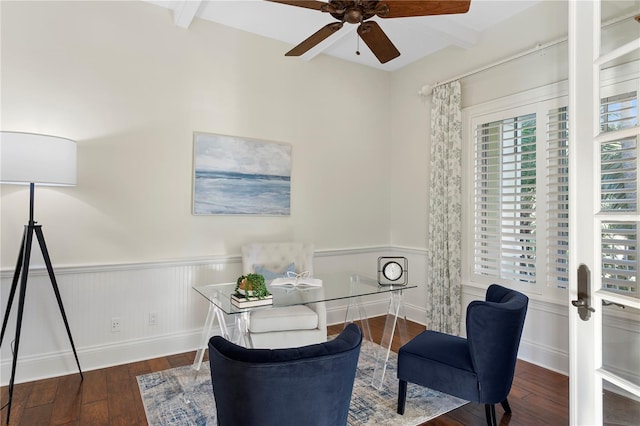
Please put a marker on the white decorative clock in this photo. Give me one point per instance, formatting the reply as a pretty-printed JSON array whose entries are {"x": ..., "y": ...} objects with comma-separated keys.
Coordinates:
[{"x": 392, "y": 270}]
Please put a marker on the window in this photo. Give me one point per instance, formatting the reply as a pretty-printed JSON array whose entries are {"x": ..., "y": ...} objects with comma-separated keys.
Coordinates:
[
  {"x": 505, "y": 198},
  {"x": 519, "y": 223}
]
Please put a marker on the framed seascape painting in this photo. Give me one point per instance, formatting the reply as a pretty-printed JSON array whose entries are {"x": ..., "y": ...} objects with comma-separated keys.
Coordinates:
[{"x": 234, "y": 175}]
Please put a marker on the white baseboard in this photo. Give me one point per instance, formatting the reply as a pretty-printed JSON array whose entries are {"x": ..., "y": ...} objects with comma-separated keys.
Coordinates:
[
  {"x": 545, "y": 357},
  {"x": 44, "y": 366},
  {"x": 55, "y": 364}
]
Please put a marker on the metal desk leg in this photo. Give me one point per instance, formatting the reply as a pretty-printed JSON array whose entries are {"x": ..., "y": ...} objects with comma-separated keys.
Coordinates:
[{"x": 396, "y": 307}]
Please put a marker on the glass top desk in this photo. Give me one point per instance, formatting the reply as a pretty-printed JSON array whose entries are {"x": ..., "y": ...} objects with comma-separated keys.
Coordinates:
[{"x": 338, "y": 286}]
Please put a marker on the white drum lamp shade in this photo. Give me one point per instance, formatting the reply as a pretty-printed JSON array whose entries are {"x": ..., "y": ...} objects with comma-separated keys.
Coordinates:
[{"x": 41, "y": 159}]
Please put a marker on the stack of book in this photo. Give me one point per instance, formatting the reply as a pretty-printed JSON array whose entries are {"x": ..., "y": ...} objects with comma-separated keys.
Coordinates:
[{"x": 241, "y": 301}]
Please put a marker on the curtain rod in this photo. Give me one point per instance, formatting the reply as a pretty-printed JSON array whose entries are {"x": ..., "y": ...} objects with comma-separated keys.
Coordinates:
[{"x": 427, "y": 88}]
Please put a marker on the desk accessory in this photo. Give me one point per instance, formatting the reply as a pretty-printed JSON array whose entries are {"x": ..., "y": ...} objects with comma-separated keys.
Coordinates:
[
  {"x": 392, "y": 270},
  {"x": 251, "y": 290},
  {"x": 293, "y": 279}
]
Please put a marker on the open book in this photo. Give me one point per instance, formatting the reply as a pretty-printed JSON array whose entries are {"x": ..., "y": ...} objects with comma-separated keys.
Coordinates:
[{"x": 297, "y": 280}]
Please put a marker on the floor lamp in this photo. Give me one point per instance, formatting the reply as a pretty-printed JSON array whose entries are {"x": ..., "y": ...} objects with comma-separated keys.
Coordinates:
[{"x": 27, "y": 158}]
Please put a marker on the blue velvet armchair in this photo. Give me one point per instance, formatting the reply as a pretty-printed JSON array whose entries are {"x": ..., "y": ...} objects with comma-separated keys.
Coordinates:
[
  {"x": 479, "y": 368},
  {"x": 308, "y": 385}
]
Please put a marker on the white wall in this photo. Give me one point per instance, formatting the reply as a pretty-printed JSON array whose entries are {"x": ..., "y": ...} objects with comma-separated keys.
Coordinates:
[{"x": 131, "y": 88}]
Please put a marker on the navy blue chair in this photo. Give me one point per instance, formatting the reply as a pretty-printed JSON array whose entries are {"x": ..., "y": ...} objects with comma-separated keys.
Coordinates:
[
  {"x": 479, "y": 368},
  {"x": 309, "y": 385}
]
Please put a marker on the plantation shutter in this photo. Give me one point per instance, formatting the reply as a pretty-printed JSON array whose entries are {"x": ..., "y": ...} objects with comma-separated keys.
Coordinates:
[
  {"x": 505, "y": 199},
  {"x": 521, "y": 219},
  {"x": 557, "y": 198}
]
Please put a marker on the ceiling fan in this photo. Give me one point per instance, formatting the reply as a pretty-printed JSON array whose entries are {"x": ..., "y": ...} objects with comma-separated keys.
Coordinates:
[{"x": 360, "y": 11}]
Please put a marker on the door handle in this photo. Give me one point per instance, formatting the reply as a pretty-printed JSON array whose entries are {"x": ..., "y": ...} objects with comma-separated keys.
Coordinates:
[
  {"x": 607, "y": 303},
  {"x": 584, "y": 293}
]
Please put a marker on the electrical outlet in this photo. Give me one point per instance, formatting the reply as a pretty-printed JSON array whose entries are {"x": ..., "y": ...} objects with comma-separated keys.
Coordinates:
[
  {"x": 115, "y": 324},
  {"x": 153, "y": 318}
]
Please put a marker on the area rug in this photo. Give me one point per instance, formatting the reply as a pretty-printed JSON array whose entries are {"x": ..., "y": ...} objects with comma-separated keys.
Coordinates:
[{"x": 180, "y": 397}]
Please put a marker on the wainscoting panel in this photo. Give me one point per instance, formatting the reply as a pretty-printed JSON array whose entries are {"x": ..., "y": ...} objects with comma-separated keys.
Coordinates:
[{"x": 94, "y": 295}]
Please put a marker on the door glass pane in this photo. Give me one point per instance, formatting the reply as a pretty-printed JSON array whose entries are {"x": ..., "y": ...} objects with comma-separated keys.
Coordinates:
[
  {"x": 620, "y": 33},
  {"x": 621, "y": 356},
  {"x": 619, "y": 407},
  {"x": 618, "y": 171},
  {"x": 619, "y": 112},
  {"x": 619, "y": 197},
  {"x": 620, "y": 257},
  {"x": 619, "y": 151}
]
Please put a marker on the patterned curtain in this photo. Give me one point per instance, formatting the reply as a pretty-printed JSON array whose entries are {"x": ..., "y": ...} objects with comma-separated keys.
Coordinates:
[{"x": 445, "y": 219}]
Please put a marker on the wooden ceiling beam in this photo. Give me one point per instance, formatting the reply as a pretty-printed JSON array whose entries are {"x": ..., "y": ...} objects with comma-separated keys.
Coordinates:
[{"x": 185, "y": 11}]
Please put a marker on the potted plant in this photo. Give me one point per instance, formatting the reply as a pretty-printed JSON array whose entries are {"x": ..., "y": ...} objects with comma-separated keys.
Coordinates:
[{"x": 251, "y": 285}]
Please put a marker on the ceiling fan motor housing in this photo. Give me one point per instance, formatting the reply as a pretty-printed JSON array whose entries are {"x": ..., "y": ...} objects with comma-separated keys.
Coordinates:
[
  {"x": 353, "y": 15},
  {"x": 353, "y": 12}
]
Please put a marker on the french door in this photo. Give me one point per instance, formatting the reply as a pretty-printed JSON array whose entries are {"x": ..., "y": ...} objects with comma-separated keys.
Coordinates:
[{"x": 604, "y": 221}]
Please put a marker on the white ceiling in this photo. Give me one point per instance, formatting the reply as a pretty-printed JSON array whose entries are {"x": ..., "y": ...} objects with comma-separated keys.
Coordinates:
[{"x": 415, "y": 37}]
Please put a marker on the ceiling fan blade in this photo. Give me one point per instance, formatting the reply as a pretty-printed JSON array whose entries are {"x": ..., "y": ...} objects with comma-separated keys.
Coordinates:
[
  {"x": 314, "y": 39},
  {"x": 309, "y": 4},
  {"x": 378, "y": 41},
  {"x": 407, "y": 8}
]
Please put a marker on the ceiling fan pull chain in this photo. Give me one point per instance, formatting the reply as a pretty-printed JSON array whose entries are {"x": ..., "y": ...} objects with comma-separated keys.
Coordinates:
[{"x": 357, "y": 44}]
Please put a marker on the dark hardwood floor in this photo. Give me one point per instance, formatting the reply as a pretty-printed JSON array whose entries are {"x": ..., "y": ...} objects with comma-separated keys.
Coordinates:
[{"x": 110, "y": 396}]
